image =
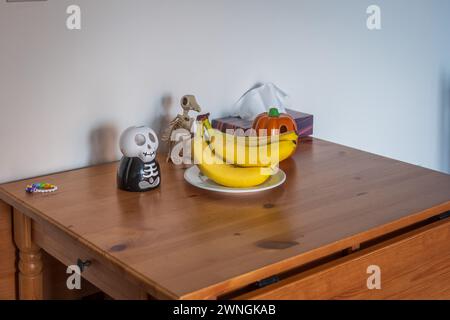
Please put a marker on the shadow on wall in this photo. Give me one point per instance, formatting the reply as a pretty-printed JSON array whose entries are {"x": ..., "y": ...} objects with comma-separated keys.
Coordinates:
[
  {"x": 445, "y": 123},
  {"x": 160, "y": 121},
  {"x": 104, "y": 144},
  {"x": 104, "y": 139}
]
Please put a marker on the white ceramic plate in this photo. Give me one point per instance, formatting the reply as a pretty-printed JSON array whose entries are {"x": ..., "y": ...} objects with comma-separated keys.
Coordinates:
[{"x": 197, "y": 179}]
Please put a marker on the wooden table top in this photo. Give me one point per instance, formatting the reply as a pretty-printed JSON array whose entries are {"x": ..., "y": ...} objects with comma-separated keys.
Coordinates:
[{"x": 190, "y": 243}]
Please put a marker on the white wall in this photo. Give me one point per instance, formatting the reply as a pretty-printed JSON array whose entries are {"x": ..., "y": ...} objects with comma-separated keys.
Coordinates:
[{"x": 386, "y": 91}]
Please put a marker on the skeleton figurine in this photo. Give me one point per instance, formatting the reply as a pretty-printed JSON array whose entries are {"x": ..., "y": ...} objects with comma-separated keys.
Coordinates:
[
  {"x": 138, "y": 170},
  {"x": 181, "y": 121}
]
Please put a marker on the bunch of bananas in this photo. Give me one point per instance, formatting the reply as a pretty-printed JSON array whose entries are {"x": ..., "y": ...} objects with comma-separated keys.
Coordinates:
[{"x": 240, "y": 162}]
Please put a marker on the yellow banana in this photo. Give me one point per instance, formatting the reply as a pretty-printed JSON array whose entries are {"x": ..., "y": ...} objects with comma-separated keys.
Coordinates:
[
  {"x": 245, "y": 156},
  {"x": 252, "y": 141},
  {"x": 252, "y": 151},
  {"x": 226, "y": 174}
]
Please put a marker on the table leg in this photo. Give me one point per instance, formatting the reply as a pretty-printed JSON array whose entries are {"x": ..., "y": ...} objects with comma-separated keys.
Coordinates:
[
  {"x": 7, "y": 254},
  {"x": 30, "y": 262}
]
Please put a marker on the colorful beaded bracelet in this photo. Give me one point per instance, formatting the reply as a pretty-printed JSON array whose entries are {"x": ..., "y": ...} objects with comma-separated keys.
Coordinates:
[{"x": 41, "y": 187}]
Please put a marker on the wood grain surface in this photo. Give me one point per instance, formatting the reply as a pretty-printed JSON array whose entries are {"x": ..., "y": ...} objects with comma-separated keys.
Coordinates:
[{"x": 188, "y": 243}]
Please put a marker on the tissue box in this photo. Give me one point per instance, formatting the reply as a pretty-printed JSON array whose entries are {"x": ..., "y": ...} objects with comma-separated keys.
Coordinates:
[{"x": 304, "y": 123}]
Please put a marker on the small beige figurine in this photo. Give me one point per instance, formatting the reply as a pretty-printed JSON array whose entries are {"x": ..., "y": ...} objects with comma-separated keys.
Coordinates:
[{"x": 181, "y": 121}]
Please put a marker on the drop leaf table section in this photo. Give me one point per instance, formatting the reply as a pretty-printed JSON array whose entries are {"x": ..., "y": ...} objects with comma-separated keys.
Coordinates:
[{"x": 339, "y": 207}]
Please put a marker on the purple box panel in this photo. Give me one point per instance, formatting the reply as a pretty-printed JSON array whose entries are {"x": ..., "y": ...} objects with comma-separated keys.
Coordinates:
[{"x": 304, "y": 123}]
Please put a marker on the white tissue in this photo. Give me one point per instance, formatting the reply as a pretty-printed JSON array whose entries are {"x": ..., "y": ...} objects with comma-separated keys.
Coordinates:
[{"x": 260, "y": 99}]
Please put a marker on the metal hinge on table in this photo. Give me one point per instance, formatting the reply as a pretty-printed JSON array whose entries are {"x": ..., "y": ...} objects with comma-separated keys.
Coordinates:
[
  {"x": 268, "y": 281},
  {"x": 444, "y": 215}
]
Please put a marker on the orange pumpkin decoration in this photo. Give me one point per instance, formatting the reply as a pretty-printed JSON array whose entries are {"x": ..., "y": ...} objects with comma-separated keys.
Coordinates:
[{"x": 274, "y": 122}]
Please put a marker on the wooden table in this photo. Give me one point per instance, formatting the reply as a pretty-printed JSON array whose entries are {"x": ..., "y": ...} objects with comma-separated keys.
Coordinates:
[{"x": 340, "y": 211}]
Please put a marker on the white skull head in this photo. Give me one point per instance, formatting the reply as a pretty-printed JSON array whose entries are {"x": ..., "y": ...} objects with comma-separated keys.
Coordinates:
[{"x": 139, "y": 142}]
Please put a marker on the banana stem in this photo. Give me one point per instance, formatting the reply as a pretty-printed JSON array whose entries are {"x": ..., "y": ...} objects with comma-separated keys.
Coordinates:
[
  {"x": 207, "y": 124},
  {"x": 206, "y": 127}
]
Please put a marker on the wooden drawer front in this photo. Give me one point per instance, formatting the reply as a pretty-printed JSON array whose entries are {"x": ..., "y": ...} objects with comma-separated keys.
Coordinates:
[
  {"x": 107, "y": 277},
  {"x": 415, "y": 265}
]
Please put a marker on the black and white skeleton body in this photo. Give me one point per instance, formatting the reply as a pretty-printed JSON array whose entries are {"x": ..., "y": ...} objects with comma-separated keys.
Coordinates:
[
  {"x": 138, "y": 170},
  {"x": 151, "y": 172}
]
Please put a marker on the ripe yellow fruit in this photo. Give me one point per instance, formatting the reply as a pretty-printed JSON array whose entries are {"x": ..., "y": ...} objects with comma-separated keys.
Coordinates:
[
  {"x": 253, "y": 151},
  {"x": 252, "y": 141},
  {"x": 226, "y": 174},
  {"x": 244, "y": 156}
]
